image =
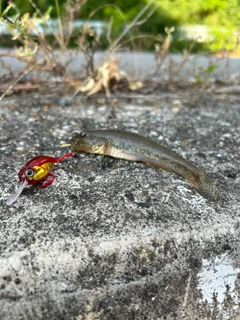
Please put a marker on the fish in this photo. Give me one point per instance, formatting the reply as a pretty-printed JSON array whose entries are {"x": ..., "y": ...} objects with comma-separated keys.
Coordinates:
[
  {"x": 36, "y": 170},
  {"x": 134, "y": 147}
]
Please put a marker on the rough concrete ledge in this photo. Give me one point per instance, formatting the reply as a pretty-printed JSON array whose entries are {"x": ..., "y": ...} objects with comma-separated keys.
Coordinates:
[{"x": 127, "y": 241}]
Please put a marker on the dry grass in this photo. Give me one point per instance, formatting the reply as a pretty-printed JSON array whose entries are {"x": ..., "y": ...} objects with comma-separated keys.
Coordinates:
[{"x": 46, "y": 60}]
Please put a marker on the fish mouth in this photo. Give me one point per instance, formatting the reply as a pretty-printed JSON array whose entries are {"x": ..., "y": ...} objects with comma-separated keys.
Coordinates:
[
  {"x": 74, "y": 138},
  {"x": 16, "y": 193},
  {"x": 76, "y": 142}
]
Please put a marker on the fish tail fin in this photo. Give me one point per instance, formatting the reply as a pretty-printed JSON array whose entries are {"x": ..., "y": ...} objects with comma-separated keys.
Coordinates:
[{"x": 204, "y": 186}]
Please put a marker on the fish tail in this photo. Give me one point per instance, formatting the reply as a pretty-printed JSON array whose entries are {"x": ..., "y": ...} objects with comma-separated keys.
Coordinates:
[{"x": 204, "y": 186}]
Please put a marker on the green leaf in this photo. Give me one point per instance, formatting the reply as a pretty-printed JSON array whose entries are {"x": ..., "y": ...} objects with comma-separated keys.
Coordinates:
[
  {"x": 198, "y": 79},
  {"x": 6, "y": 10},
  {"x": 211, "y": 68}
]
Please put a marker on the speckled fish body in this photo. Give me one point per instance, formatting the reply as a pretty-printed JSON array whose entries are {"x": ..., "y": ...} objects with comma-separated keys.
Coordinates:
[{"x": 133, "y": 147}]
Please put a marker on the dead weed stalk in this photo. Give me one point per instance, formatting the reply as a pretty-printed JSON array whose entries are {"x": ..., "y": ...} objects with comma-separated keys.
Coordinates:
[{"x": 40, "y": 54}]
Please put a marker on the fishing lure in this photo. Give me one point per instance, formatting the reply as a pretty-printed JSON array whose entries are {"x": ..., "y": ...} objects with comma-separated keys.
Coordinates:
[{"x": 36, "y": 170}]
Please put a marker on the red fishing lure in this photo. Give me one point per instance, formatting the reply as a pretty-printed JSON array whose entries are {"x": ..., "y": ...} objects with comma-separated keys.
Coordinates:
[{"x": 36, "y": 170}]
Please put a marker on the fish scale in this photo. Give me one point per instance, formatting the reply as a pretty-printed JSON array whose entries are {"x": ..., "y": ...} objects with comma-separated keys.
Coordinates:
[{"x": 133, "y": 147}]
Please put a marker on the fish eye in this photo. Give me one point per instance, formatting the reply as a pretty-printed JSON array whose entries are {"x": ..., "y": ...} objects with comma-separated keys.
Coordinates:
[
  {"x": 29, "y": 172},
  {"x": 83, "y": 134}
]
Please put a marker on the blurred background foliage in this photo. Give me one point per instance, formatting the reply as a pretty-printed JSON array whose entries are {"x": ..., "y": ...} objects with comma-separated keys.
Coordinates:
[{"x": 221, "y": 18}]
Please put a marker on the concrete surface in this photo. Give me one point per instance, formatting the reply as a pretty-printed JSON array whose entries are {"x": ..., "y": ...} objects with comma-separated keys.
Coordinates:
[
  {"x": 127, "y": 241},
  {"x": 138, "y": 64}
]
